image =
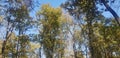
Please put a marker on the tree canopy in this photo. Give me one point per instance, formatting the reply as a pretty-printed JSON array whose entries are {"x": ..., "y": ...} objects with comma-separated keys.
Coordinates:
[{"x": 75, "y": 29}]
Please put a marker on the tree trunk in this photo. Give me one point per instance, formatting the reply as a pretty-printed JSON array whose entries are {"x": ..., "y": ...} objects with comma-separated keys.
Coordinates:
[{"x": 74, "y": 50}]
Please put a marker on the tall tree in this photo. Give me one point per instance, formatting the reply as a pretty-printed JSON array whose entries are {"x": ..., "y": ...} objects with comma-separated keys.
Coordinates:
[
  {"x": 78, "y": 6},
  {"x": 15, "y": 12},
  {"x": 51, "y": 41},
  {"x": 87, "y": 10}
]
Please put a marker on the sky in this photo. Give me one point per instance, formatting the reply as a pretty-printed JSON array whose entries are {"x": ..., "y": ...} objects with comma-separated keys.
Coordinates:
[{"x": 54, "y": 3}]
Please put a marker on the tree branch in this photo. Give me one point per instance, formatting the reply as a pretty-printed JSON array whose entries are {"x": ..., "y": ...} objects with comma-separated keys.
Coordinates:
[{"x": 111, "y": 11}]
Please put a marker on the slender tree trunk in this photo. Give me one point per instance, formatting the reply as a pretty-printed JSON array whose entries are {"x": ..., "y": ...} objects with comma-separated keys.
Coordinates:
[
  {"x": 86, "y": 52},
  {"x": 5, "y": 41},
  {"x": 74, "y": 50},
  {"x": 8, "y": 34},
  {"x": 91, "y": 48},
  {"x": 17, "y": 49},
  {"x": 90, "y": 33},
  {"x": 40, "y": 52},
  {"x": 111, "y": 11},
  {"x": 17, "y": 52}
]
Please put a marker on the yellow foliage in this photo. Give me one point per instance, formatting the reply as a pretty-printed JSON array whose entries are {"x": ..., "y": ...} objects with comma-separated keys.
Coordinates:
[{"x": 34, "y": 46}]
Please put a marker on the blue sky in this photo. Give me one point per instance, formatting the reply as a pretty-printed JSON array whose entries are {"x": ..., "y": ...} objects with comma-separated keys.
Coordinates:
[{"x": 54, "y": 3}]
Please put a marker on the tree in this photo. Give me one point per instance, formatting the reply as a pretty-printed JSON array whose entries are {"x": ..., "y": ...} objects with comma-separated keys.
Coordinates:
[
  {"x": 76, "y": 7},
  {"x": 72, "y": 32},
  {"x": 87, "y": 12},
  {"x": 51, "y": 41},
  {"x": 16, "y": 14},
  {"x": 10, "y": 47}
]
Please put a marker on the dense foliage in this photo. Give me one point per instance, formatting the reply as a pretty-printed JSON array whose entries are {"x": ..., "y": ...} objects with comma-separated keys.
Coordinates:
[{"x": 77, "y": 29}]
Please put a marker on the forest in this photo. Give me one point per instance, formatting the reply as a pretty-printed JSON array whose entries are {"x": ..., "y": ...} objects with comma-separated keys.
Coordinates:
[{"x": 74, "y": 29}]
